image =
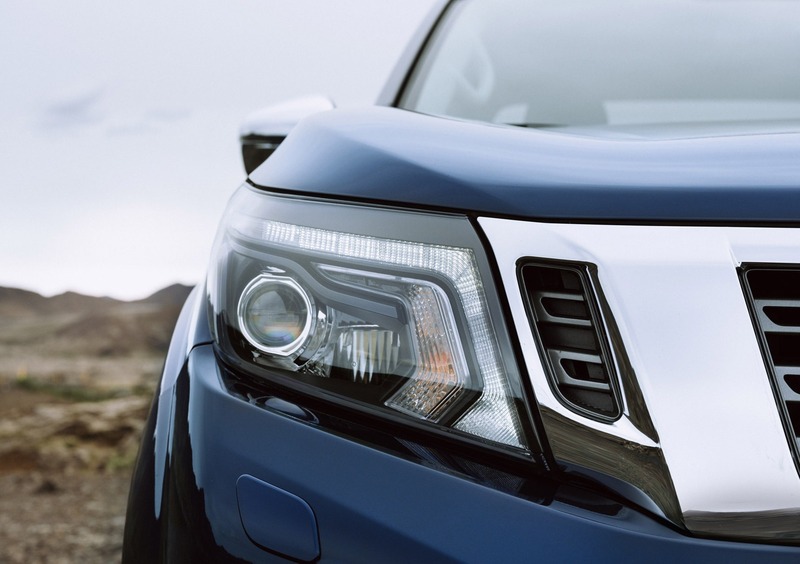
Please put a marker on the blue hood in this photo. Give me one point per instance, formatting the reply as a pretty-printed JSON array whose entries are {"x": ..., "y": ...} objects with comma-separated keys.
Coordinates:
[{"x": 395, "y": 156}]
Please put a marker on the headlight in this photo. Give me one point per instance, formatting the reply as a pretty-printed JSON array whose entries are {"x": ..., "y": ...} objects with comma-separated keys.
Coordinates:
[{"x": 383, "y": 310}]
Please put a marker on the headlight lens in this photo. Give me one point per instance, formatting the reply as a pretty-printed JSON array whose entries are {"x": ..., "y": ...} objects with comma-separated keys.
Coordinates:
[
  {"x": 275, "y": 314},
  {"x": 379, "y": 314}
]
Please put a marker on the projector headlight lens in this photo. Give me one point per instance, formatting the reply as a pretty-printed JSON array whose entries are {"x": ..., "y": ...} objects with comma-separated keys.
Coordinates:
[{"x": 275, "y": 314}]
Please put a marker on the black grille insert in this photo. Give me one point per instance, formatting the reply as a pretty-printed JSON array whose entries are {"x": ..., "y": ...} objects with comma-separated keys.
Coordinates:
[
  {"x": 569, "y": 329},
  {"x": 774, "y": 295}
]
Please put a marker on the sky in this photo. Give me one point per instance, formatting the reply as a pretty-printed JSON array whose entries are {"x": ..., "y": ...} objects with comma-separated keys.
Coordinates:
[{"x": 119, "y": 123}]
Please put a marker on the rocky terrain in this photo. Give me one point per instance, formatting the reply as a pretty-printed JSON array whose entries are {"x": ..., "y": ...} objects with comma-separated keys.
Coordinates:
[{"x": 76, "y": 377}]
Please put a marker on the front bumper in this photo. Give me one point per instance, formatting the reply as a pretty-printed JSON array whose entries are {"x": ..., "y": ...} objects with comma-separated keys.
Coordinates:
[{"x": 367, "y": 503}]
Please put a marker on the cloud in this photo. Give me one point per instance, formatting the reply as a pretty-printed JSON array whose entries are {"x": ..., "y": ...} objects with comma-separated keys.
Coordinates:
[
  {"x": 76, "y": 105},
  {"x": 149, "y": 121}
]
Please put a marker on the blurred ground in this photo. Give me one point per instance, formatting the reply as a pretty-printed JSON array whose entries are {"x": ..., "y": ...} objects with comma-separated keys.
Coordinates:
[
  {"x": 62, "y": 520},
  {"x": 64, "y": 473},
  {"x": 76, "y": 378}
]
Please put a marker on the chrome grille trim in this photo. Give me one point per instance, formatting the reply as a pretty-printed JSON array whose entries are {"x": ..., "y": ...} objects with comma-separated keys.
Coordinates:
[
  {"x": 689, "y": 364},
  {"x": 767, "y": 324},
  {"x": 770, "y": 291},
  {"x": 566, "y": 321}
]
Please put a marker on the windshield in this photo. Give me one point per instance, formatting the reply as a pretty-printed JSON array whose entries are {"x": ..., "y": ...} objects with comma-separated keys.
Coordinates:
[{"x": 616, "y": 63}]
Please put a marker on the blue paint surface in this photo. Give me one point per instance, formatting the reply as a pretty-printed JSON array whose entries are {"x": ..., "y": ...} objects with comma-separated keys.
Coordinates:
[{"x": 395, "y": 156}]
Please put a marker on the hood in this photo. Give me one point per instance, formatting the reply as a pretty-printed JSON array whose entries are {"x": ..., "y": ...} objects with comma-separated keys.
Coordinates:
[{"x": 394, "y": 156}]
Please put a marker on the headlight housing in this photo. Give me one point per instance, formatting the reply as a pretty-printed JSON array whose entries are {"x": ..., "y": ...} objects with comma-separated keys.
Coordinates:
[{"x": 380, "y": 309}]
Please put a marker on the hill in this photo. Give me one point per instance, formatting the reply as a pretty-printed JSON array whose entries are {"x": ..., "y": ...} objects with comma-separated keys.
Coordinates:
[
  {"x": 72, "y": 338},
  {"x": 173, "y": 295},
  {"x": 15, "y": 302}
]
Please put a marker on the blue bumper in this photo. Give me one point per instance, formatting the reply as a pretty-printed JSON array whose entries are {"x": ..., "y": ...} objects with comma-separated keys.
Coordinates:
[{"x": 222, "y": 478}]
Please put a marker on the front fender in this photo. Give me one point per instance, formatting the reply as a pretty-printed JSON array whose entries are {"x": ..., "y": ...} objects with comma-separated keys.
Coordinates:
[{"x": 145, "y": 538}]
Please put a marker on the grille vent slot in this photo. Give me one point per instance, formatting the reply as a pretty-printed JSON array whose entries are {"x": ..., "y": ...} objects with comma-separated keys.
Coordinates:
[
  {"x": 567, "y": 325},
  {"x": 774, "y": 295}
]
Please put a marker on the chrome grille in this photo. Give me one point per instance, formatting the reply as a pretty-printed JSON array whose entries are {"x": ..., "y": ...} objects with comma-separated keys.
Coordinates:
[
  {"x": 568, "y": 327},
  {"x": 774, "y": 295}
]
